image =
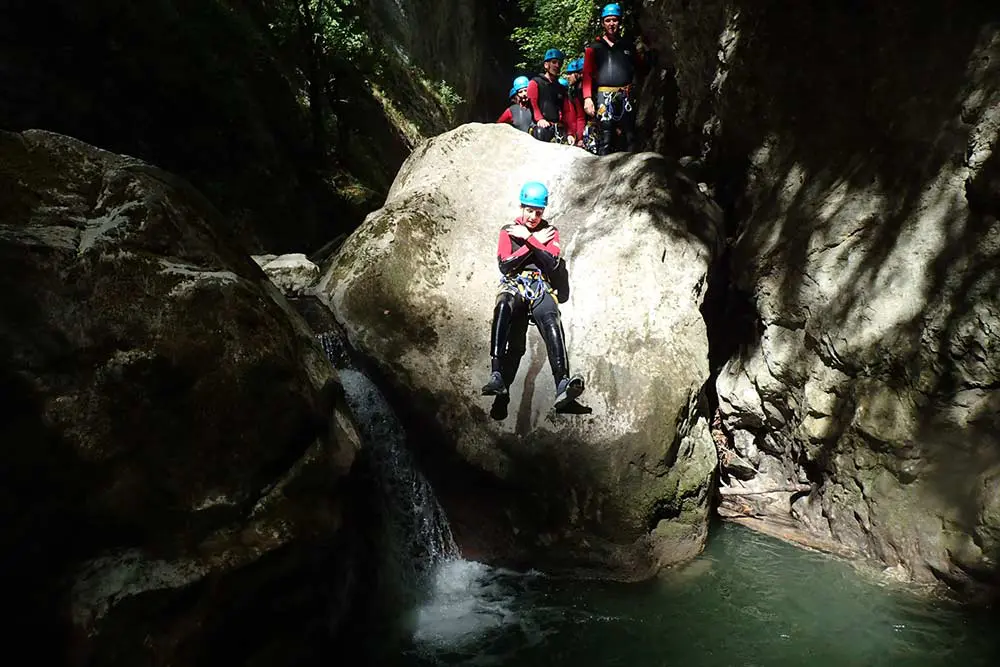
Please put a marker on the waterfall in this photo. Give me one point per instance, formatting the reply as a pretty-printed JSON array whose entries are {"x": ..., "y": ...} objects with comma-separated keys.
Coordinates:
[
  {"x": 436, "y": 602},
  {"x": 414, "y": 535}
]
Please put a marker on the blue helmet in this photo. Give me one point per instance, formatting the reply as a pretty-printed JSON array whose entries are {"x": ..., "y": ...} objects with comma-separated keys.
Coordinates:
[
  {"x": 534, "y": 193},
  {"x": 553, "y": 54},
  {"x": 614, "y": 9},
  {"x": 512, "y": 93},
  {"x": 575, "y": 65},
  {"x": 563, "y": 82},
  {"x": 521, "y": 82}
]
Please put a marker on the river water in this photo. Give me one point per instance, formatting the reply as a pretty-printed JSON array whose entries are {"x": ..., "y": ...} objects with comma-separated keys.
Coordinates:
[{"x": 748, "y": 601}]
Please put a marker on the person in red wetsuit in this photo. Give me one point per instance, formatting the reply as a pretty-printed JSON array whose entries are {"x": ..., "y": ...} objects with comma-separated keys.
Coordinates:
[
  {"x": 528, "y": 255},
  {"x": 519, "y": 112},
  {"x": 609, "y": 66},
  {"x": 574, "y": 75},
  {"x": 554, "y": 119}
]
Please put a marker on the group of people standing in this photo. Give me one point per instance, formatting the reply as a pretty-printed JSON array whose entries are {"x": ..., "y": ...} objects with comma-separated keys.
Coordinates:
[{"x": 592, "y": 105}]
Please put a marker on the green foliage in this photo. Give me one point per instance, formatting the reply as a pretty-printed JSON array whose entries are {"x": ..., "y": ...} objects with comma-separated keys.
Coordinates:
[
  {"x": 448, "y": 97},
  {"x": 567, "y": 25}
]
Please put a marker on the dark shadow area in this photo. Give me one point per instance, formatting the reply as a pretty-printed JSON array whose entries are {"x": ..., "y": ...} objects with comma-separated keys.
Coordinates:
[
  {"x": 42, "y": 508},
  {"x": 195, "y": 88}
]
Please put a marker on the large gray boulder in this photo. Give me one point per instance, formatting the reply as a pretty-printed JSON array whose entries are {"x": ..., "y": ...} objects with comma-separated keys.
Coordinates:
[
  {"x": 174, "y": 446},
  {"x": 624, "y": 485}
]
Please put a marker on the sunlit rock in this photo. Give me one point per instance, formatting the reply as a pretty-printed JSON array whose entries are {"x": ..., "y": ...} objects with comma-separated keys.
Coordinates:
[{"x": 293, "y": 273}]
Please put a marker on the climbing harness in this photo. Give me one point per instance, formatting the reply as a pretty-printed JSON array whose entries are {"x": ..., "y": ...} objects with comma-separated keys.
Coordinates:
[
  {"x": 616, "y": 103},
  {"x": 591, "y": 132},
  {"x": 530, "y": 284}
]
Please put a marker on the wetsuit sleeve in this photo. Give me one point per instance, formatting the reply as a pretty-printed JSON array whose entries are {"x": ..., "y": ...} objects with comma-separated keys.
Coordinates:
[
  {"x": 506, "y": 117},
  {"x": 581, "y": 117},
  {"x": 546, "y": 256},
  {"x": 588, "y": 72},
  {"x": 509, "y": 259},
  {"x": 533, "y": 96},
  {"x": 569, "y": 115}
]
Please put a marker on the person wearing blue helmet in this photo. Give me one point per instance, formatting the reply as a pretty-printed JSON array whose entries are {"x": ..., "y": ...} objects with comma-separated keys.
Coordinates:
[
  {"x": 550, "y": 103},
  {"x": 609, "y": 68},
  {"x": 574, "y": 75},
  {"x": 519, "y": 112},
  {"x": 528, "y": 256}
]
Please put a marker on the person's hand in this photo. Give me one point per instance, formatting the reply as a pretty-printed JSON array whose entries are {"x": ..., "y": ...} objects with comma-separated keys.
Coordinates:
[
  {"x": 571, "y": 140},
  {"x": 545, "y": 234},
  {"x": 518, "y": 232},
  {"x": 543, "y": 123},
  {"x": 588, "y": 107}
]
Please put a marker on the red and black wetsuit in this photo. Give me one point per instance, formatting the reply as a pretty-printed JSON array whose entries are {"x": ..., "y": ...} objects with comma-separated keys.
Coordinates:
[
  {"x": 528, "y": 266},
  {"x": 576, "y": 99},
  {"x": 608, "y": 72},
  {"x": 550, "y": 100},
  {"x": 515, "y": 255},
  {"x": 518, "y": 115}
]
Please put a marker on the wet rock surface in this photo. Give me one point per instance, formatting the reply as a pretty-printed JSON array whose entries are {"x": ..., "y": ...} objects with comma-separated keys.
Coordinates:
[
  {"x": 175, "y": 444},
  {"x": 620, "y": 486}
]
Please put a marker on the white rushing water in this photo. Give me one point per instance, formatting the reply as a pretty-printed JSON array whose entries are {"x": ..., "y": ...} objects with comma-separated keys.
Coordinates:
[
  {"x": 417, "y": 530},
  {"x": 459, "y": 602}
]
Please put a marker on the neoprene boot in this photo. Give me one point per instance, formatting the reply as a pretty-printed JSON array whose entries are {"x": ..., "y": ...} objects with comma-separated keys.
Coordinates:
[
  {"x": 496, "y": 386},
  {"x": 567, "y": 388}
]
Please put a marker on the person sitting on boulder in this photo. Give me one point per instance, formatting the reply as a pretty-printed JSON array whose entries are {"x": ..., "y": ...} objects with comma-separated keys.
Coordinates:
[
  {"x": 609, "y": 66},
  {"x": 519, "y": 112},
  {"x": 528, "y": 255},
  {"x": 553, "y": 112}
]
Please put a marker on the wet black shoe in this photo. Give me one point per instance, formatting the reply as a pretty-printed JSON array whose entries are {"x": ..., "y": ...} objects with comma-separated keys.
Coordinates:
[
  {"x": 567, "y": 391},
  {"x": 496, "y": 386}
]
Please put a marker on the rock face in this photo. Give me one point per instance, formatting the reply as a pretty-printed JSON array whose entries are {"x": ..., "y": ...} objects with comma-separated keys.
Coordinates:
[
  {"x": 462, "y": 42},
  {"x": 293, "y": 273},
  {"x": 624, "y": 485},
  {"x": 174, "y": 446},
  {"x": 855, "y": 149}
]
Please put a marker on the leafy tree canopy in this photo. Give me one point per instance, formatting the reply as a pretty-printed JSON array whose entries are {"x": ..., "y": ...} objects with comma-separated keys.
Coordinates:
[{"x": 567, "y": 25}]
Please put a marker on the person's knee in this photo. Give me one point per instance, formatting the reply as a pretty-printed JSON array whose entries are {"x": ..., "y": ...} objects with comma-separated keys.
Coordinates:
[
  {"x": 505, "y": 301},
  {"x": 546, "y": 311}
]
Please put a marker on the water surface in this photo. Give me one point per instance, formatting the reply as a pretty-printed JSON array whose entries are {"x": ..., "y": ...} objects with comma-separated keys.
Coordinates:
[{"x": 749, "y": 601}]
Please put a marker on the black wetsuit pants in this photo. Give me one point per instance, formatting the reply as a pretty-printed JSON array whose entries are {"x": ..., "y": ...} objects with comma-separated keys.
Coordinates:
[
  {"x": 616, "y": 119},
  {"x": 510, "y": 326}
]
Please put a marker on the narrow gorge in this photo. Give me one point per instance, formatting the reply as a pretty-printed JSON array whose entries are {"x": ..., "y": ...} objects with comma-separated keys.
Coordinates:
[{"x": 249, "y": 274}]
